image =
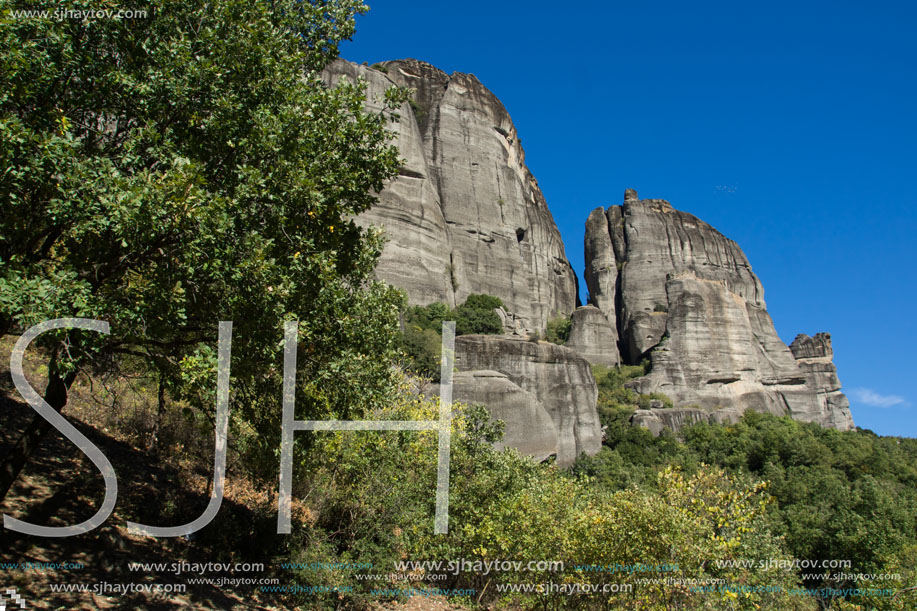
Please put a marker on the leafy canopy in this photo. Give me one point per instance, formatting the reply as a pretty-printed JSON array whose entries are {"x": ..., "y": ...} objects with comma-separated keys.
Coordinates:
[
  {"x": 558, "y": 330},
  {"x": 166, "y": 173},
  {"x": 839, "y": 495}
]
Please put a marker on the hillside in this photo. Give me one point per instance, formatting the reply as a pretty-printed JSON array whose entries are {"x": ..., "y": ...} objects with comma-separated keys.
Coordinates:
[{"x": 281, "y": 331}]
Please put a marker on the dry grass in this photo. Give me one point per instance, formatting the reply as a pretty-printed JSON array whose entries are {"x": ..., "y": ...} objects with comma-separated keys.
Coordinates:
[{"x": 61, "y": 486}]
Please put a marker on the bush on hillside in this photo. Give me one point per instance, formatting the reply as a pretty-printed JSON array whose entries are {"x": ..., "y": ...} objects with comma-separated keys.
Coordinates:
[
  {"x": 839, "y": 495},
  {"x": 421, "y": 339},
  {"x": 371, "y": 499}
]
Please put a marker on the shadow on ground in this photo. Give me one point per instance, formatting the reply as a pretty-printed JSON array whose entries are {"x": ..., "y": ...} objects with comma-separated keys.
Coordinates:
[{"x": 60, "y": 486}]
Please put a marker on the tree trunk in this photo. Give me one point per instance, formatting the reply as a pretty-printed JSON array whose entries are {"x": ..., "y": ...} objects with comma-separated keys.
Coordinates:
[
  {"x": 56, "y": 395},
  {"x": 153, "y": 445},
  {"x": 6, "y": 324}
]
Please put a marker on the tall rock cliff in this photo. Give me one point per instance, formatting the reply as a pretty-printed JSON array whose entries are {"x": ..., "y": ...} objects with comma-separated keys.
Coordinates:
[
  {"x": 527, "y": 385},
  {"x": 465, "y": 215},
  {"x": 684, "y": 296},
  {"x": 815, "y": 358}
]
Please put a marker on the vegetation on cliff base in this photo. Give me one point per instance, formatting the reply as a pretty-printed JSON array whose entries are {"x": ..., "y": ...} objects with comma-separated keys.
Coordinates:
[
  {"x": 614, "y": 396},
  {"x": 838, "y": 495},
  {"x": 372, "y": 494}
]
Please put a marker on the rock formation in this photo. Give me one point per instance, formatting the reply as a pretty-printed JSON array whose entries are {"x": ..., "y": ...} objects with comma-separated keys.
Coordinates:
[
  {"x": 465, "y": 215},
  {"x": 540, "y": 379},
  {"x": 417, "y": 254},
  {"x": 672, "y": 419},
  {"x": 684, "y": 296},
  {"x": 594, "y": 337},
  {"x": 814, "y": 356},
  {"x": 527, "y": 425}
]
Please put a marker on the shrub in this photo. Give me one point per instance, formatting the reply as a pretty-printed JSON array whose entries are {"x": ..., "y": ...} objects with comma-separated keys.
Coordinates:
[
  {"x": 427, "y": 317},
  {"x": 421, "y": 340},
  {"x": 370, "y": 498},
  {"x": 470, "y": 321},
  {"x": 613, "y": 378},
  {"x": 558, "y": 330},
  {"x": 644, "y": 401},
  {"x": 423, "y": 348},
  {"x": 482, "y": 302},
  {"x": 840, "y": 495},
  {"x": 476, "y": 315}
]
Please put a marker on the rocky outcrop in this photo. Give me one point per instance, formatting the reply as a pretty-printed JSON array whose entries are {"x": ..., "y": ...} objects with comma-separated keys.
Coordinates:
[
  {"x": 551, "y": 379},
  {"x": 814, "y": 355},
  {"x": 593, "y": 337},
  {"x": 684, "y": 296},
  {"x": 672, "y": 419},
  {"x": 416, "y": 257},
  {"x": 602, "y": 268},
  {"x": 650, "y": 241},
  {"x": 527, "y": 425},
  {"x": 512, "y": 324},
  {"x": 465, "y": 215}
]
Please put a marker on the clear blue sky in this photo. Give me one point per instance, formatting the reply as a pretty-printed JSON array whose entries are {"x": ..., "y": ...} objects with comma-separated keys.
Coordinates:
[{"x": 790, "y": 127}]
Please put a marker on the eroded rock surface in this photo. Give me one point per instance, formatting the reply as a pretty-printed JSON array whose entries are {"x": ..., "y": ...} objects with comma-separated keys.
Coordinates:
[
  {"x": 594, "y": 337},
  {"x": 814, "y": 356},
  {"x": 528, "y": 425},
  {"x": 417, "y": 255},
  {"x": 672, "y": 419},
  {"x": 560, "y": 381},
  {"x": 466, "y": 215}
]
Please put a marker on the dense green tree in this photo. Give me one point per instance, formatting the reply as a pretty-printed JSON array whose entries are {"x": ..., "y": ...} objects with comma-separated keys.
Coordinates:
[
  {"x": 482, "y": 302},
  {"x": 423, "y": 348},
  {"x": 427, "y": 317},
  {"x": 839, "y": 495},
  {"x": 163, "y": 174}
]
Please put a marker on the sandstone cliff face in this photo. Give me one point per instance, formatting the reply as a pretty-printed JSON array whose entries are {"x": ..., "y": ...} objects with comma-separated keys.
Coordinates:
[
  {"x": 602, "y": 266},
  {"x": 528, "y": 426},
  {"x": 417, "y": 255},
  {"x": 684, "y": 296},
  {"x": 814, "y": 356},
  {"x": 548, "y": 379},
  {"x": 466, "y": 215},
  {"x": 672, "y": 419},
  {"x": 594, "y": 337}
]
